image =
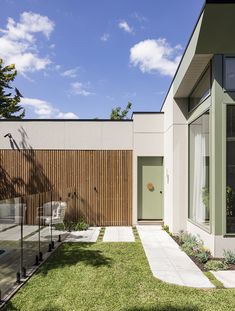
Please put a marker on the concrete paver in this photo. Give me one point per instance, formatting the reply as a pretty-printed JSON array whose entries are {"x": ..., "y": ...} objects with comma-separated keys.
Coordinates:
[
  {"x": 118, "y": 234},
  {"x": 167, "y": 261},
  {"x": 227, "y": 278},
  {"x": 90, "y": 235}
]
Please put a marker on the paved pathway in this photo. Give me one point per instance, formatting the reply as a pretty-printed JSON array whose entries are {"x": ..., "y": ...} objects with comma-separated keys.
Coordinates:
[
  {"x": 13, "y": 234},
  {"x": 167, "y": 262},
  {"x": 90, "y": 235},
  {"x": 45, "y": 235},
  {"x": 118, "y": 234},
  {"x": 227, "y": 278}
]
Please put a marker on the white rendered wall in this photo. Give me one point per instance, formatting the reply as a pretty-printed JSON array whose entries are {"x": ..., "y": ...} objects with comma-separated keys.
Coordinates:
[
  {"x": 176, "y": 163},
  {"x": 77, "y": 135},
  {"x": 148, "y": 140}
]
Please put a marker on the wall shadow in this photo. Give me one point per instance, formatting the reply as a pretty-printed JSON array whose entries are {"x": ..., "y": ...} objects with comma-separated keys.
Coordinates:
[
  {"x": 16, "y": 186},
  {"x": 70, "y": 254}
]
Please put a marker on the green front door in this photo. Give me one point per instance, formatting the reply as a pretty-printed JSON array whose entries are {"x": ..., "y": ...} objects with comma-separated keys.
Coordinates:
[{"x": 150, "y": 188}]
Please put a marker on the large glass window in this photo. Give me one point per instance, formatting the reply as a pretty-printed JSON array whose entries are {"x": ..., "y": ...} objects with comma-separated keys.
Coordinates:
[
  {"x": 199, "y": 161},
  {"x": 230, "y": 169},
  {"x": 230, "y": 73},
  {"x": 201, "y": 91}
]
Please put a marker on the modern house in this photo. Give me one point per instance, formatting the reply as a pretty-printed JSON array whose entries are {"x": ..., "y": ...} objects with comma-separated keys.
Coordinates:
[{"x": 176, "y": 165}]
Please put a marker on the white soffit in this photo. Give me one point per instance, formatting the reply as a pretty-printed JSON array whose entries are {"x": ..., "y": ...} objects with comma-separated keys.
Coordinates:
[{"x": 195, "y": 70}]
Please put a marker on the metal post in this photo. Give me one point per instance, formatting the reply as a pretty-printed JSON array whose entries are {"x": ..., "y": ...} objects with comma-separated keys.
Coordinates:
[
  {"x": 23, "y": 273},
  {"x": 21, "y": 235},
  {"x": 36, "y": 260},
  {"x": 39, "y": 223},
  {"x": 51, "y": 214},
  {"x": 18, "y": 278},
  {"x": 40, "y": 256},
  {"x": 49, "y": 247}
]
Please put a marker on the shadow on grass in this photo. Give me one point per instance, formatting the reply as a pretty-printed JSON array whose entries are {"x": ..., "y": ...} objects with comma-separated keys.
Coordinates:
[
  {"x": 163, "y": 308},
  {"x": 74, "y": 253},
  {"x": 10, "y": 307}
]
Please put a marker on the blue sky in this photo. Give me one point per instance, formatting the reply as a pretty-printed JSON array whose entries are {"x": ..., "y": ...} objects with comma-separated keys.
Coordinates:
[{"x": 80, "y": 58}]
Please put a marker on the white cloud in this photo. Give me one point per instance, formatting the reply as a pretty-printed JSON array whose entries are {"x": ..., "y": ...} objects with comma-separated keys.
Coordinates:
[
  {"x": 18, "y": 42},
  {"x": 45, "y": 110},
  {"x": 155, "y": 56},
  {"x": 78, "y": 88},
  {"x": 70, "y": 73},
  {"x": 124, "y": 26},
  {"x": 105, "y": 37}
]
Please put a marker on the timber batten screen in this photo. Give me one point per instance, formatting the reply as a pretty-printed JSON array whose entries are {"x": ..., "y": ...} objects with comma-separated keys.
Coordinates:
[{"x": 102, "y": 180}]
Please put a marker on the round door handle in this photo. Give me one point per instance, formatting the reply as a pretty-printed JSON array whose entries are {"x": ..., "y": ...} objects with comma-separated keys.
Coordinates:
[{"x": 161, "y": 192}]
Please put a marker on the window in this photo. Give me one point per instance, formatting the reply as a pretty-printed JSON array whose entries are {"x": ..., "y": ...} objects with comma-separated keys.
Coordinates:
[
  {"x": 201, "y": 91},
  {"x": 199, "y": 161},
  {"x": 230, "y": 169},
  {"x": 230, "y": 73}
]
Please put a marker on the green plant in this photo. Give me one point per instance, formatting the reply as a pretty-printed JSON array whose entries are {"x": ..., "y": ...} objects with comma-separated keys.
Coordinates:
[
  {"x": 188, "y": 249},
  {"x": 9, "y": 101},
  {"x": 166, "y": 228},
  {"x": 59, "y": 227},
  {"x": 193, "y": 246},
  {"x": 71, "y": 225},
  {"x": 187, "y": 238},
  {"x": 205, "y": 197},
  {"x": 203, "y": 255},
  {"x": 229, "y": 257},
  {"x": 230, "y": 197},
  {"x": 119, "y": 114},
  {"x": 81, "y": 225},
  {"x": 215, "y": 265}
]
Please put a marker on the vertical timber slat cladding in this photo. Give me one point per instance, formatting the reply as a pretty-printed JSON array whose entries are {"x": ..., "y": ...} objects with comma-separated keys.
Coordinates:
[{"x": 99, "y": 182}]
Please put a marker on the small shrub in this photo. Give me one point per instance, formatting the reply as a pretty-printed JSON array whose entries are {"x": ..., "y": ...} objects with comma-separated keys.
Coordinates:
[
  {"x": 187, "y": 238},
  {"x": 187, "y": 249},
  {"x": 59, "y": 227},
  {"x": 203, "y": 255},
  {"x": 215, "y": 265},
  {"x": 166, "y": 228},
  {"x": 229, "y": 257},
  {"x": 81, "y": 225},
  {"x": 71, "y": 225},
  {"x": 193, "y": 246}
]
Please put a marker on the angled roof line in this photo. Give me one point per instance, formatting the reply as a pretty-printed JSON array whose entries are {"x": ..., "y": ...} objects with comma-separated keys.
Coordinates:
[{"x": 203, "y": 7}]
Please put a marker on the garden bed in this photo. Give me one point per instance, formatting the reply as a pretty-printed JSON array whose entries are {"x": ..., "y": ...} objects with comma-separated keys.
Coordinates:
[
  {"x": 201, "y": 256},
  {"x": 200, "y": 264}
]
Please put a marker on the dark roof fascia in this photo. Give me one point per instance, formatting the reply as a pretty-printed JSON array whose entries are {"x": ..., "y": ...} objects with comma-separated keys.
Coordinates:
[
  {"x": 202, "y": 10},
  {"x": 219, "y": 1},
  {"x": 64, "y": 120},
  {"x": 147, "y": 112}
]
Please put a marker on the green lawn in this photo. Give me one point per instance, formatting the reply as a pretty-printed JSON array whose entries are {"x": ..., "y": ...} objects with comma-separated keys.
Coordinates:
[{"x": 109, "y": 276}]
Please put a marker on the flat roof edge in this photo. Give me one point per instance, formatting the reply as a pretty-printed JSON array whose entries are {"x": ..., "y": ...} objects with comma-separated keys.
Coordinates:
[
  {"x": 64, "y": 120},
  {"x": 219, "y": 1}
]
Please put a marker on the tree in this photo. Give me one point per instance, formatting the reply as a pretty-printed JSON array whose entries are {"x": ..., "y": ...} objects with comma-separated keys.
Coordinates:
[
  {"x": 118, "y": 114},
  {"x": 9, "y": 101}
]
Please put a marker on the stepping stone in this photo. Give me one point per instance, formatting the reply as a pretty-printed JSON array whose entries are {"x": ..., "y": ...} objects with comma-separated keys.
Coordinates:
[
  {"x": 227, "y": 278},
  {"x": 118, "y": 234},
  {"x": 90, "y": 235}
]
